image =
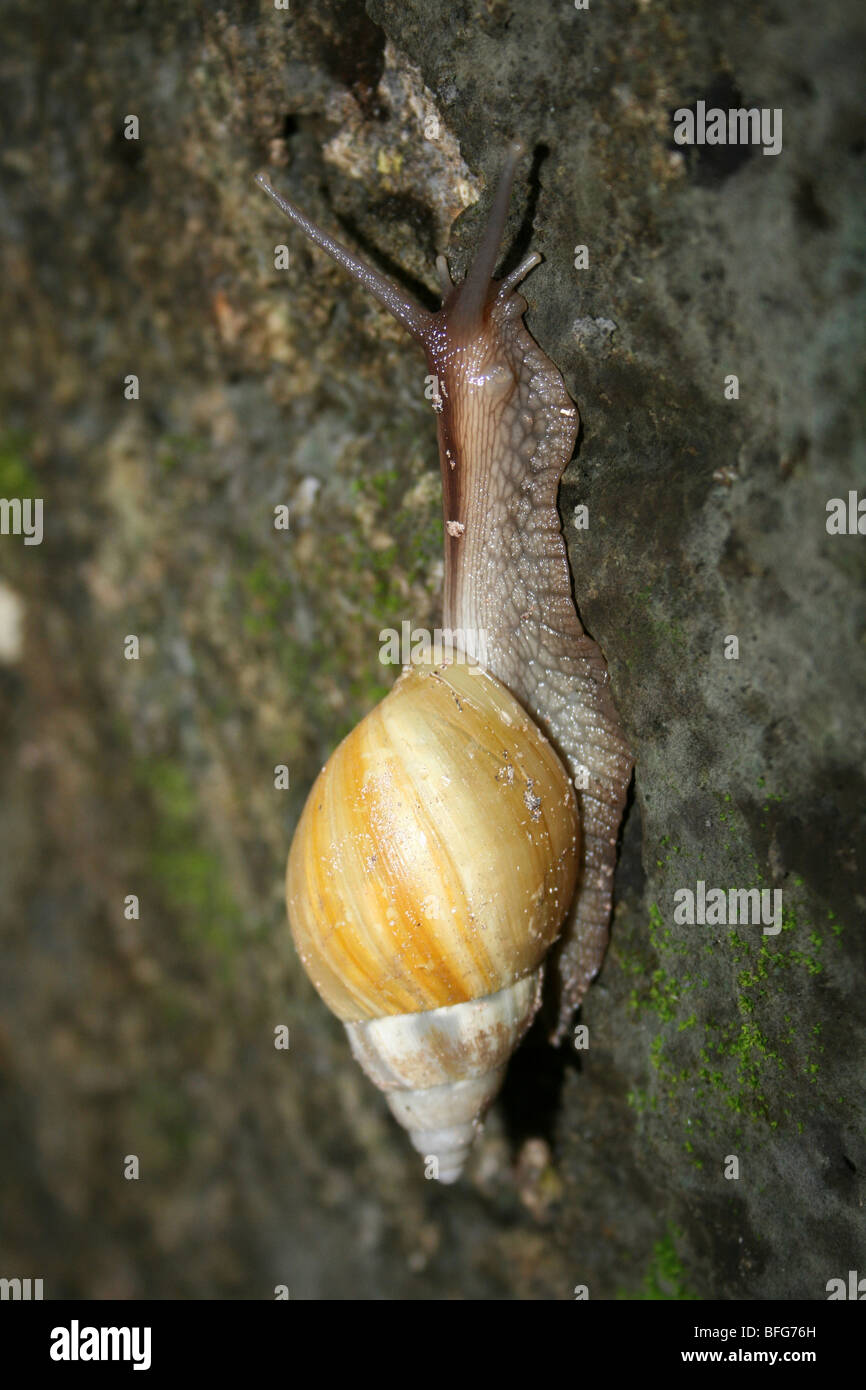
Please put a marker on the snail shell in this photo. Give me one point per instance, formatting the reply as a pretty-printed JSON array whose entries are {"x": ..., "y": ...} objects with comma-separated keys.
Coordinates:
[{"x": 432, "y": 868}]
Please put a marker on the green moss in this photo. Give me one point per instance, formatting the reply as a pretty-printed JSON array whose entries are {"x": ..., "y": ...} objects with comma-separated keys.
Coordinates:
[
  {"x": 176, "y": 449},
  {"x": 16, "y": 476},
  {"x": 665, "y": 1278},
  {"x": 660, "y": 631},
  {"x": 745, "y": 1063},
  {"x": 773, "y": 958},
  {"x": 641, "y": 1100},
  {"x": 267, "y": 599},
  {"x": 332, "y": 674},
  {"x": 741, "y": 1085},
  {"x": 666, "y": 853},
  {"x": 662, "y": 989},
  {"x": 189, "y": 875},
  {"x": 170, "y": 788},
  {"x": 167, "y": 1119},
  {"x": 380, "y": 485},
  {"x": 415, "y": 548}
]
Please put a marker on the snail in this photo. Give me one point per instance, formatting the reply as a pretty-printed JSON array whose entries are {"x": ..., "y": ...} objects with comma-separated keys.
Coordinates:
[{"x": 472, "y": 816}]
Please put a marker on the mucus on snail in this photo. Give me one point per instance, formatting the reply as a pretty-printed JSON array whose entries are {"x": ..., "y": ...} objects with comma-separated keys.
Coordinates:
[{"x": 470, "y": 820}]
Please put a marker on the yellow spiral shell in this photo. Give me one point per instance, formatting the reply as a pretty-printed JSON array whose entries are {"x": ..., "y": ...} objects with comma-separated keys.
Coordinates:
[{"x": 437, "y": 853}]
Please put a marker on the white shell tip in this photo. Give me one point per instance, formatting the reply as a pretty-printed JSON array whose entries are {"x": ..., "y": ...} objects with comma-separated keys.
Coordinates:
[
  {"x": 448, "y": 1150},
  {"x": 450, "y": 1174}
]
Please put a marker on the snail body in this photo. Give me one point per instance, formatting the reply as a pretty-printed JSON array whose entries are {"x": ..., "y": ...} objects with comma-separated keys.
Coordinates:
[{"x": 422, "y": 902}]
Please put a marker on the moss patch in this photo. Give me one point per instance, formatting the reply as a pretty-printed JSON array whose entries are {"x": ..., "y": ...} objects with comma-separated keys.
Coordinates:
[
  {"x": 729, "y": 1070},
  {"x": 16, "y": 476},
  {"x": 188, "y": 874},
  {"x": 665, "y": 1278}
]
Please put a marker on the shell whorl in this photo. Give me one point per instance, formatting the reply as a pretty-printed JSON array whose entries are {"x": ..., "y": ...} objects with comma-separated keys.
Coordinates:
[
  {"x": 440, "y": 1069},
  {"x": 431, "y": 870},
  {"x": 436, "y": 856}
]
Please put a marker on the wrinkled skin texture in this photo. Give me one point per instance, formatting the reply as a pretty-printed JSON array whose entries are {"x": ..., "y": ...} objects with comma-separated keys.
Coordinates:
[{"x": 506, "y": 431}]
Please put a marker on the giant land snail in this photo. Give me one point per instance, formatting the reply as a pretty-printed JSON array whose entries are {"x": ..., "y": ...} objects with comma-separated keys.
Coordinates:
[{"x": 470, "y": 819}]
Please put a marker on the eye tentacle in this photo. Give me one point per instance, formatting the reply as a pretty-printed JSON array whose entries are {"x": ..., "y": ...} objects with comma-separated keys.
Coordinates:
[
  {"x": 519, "y": 273},
  {"x": 472, "y": 295},
  {"x": 404, "y": 308},
  {"x": 445, "y": 282}
]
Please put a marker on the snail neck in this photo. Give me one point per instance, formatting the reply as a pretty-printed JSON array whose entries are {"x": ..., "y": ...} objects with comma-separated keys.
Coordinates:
[{"x": 506, "y": 427}]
